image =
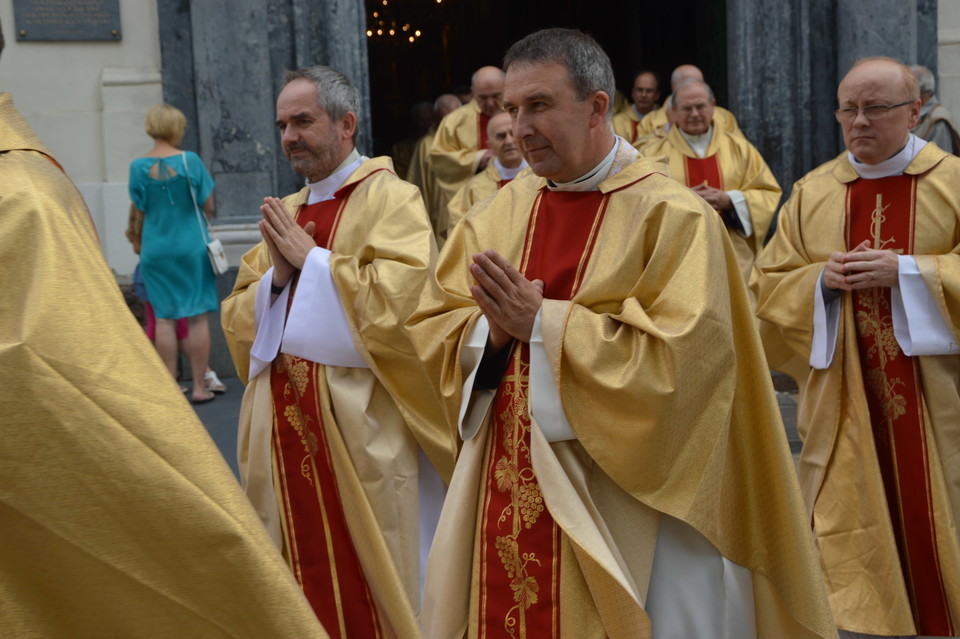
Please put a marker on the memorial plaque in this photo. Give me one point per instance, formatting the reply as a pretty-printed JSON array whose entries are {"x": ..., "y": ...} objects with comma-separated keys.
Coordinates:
[{"x": 56, "y": 20}]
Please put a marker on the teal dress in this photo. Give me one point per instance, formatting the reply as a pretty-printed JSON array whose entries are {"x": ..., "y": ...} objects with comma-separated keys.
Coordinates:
[{"x": 173, "y": 253}]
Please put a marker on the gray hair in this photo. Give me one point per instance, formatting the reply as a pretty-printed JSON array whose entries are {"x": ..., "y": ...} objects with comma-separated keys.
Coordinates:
[
  {"x": 335, "y": 94},
  {"x": 928, "y": 84},
  {"x": 688, "y": 82},
  {"x": 588, "y": 65}
]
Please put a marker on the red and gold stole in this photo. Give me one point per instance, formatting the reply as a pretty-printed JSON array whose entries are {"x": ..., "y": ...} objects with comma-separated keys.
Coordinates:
[
  {"x": 503, "y": 183},
  {"x": 883, "y": 211},
  {"x": 519, "y": 541},
  {"x": 635, "y": 124},
  {"x": 482, "y": 121},
  {"x": 703, "y": 171},
  {"x": 317, "y": 541}
]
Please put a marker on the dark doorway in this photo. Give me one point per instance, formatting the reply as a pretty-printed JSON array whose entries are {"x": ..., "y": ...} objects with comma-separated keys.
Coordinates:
[{"x": 458, "y": 36}]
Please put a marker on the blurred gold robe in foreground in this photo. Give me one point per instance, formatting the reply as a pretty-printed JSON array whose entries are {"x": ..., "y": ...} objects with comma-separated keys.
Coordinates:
[
  {"x": 662, "y": 379},
  {"x": 741, "y": 168},
  {"x": 118, "y": 515},
  {"x": 839, "y": 468},
  {"x": 381, "y": 251}
]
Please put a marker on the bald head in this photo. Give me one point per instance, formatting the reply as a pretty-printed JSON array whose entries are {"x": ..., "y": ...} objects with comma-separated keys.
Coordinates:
[
  {"x": 444, "y": 104},
  {"x": 501, "y": 142},
  {"x": 877, "y": 82},
  {"x": 683, "y": 72},
  {"x": 487, "y": 88}
]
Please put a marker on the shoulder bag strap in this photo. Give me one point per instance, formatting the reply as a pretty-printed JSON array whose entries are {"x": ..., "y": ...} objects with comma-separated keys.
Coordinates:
[{"x": 186, "y": 174}]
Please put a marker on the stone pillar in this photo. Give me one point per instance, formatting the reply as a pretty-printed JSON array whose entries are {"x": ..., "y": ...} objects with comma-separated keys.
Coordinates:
[
  {"x": 223, "y": 62},
  {"x": 785, "y": 60},
  {"x": 780, "y": 77}
]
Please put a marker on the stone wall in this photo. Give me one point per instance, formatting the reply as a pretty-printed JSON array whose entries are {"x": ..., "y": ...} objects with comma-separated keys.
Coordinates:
[
  {"x": 222, "y": 65},
  {"x": 786, "y": 58}
]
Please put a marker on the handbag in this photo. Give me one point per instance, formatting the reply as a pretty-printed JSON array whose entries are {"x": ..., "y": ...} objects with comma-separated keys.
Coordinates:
[{"x": 218, "y": 259}]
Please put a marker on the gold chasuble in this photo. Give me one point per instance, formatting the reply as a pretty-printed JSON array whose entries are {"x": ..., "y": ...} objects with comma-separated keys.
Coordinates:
[
  {"x": 880, "y": 466},
  {"x": 339, "y": 484},
  {"x": 729, "y": 163},
  {"x": 661, "y": 376},
  {"x": 626, "y": 124},
  {"x": 454, "y": 154},
  {"x": 118, "y": 515},
  {"x": 479, "y": 187}
]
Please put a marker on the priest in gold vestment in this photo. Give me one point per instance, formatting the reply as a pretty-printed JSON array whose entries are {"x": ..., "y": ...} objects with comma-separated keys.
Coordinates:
[
  {"x": 507, "y": 164},
  {"x": 345, "y": 484},
  {"x": 624, "y": 471},
  {"x": 722, "y": 167},
  {"x": 862, "y": 278},
  {"x": 460, "y": 148},
  {"x": 657, "y": 124},
  {"x": 119, "y": 517},
  {"x": 419, "y": 173},
  {"x": 645, "y": 94}
]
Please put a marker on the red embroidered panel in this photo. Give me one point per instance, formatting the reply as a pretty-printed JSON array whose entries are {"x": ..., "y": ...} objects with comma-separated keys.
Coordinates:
[
  {"x": 883, "y": 211},
  {"x": 703, "y": 171},
  {"x": 520, "y": 542}
]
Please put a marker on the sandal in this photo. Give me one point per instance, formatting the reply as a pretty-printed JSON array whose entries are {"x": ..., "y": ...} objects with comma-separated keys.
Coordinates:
[{"x": 213, "y": 383}]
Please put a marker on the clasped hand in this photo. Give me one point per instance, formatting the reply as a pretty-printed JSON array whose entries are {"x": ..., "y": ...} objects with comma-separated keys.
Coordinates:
[
  {"x": 862, "y": 267},
  {"x": 287, "y": 242},
  {"x": 716, "y": 198},
  {"x": 508, "y": 300}
]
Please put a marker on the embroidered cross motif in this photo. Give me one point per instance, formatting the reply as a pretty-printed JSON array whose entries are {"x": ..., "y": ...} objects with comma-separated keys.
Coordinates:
[{"x": 877, "y": 218}]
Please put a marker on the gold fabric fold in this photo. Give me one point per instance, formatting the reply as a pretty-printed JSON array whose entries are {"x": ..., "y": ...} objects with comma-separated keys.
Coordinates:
[
  {"x": 742, "y": 168},
  {"x": 839, "y": 472},
  {"x": 661, "y": 377},
  {"x": 380, "y": 256},
  {"x": 454, "y": 156},
  {"x": 119, "y": 516}
]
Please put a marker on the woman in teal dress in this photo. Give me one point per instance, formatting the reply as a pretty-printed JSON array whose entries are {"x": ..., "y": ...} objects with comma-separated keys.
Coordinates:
[{"x": 173, "y": 254}]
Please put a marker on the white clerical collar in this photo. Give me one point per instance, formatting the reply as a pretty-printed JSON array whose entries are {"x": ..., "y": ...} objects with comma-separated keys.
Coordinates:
[
  {"x": 891, "y": 166},
  {"x": 593, "y": 177},
  {"x": 698, "y": 143},
  {"x": 324, "y": 189},
  {"x": 636, "y": 112},
  {"x": 509, "y": 174}
]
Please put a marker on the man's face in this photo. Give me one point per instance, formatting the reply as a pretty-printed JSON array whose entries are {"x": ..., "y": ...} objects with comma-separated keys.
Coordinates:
[
  {"x": 500, "y": 139},
  {"x": 694, "y": 110},
  {"x": 645, "y": 93},
  {"x": 550, "y": 124},
  {"x": 312, "y": 142},
  {"x": 876, "y": 83}
]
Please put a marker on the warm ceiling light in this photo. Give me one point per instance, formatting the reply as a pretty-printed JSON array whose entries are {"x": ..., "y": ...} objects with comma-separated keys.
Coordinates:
[
  {"x": 411, "y": 38},
  {"x": 417, "y": 33},
  {"x": 369, "y": 33},
  {"x": 376, "y": 15},
  {"x": 392, "y": 32},
  {"x": 379, "y": 31}
]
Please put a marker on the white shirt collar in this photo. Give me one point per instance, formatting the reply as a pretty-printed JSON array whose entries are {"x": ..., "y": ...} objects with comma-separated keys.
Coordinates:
[
  {"x": 509, "y": 174},
  {"x": 698, "y": 143},
  {"x": 324, "y": 189},
  {"x": 593, "y": 177},
  {"x": 891, "y": 166}
]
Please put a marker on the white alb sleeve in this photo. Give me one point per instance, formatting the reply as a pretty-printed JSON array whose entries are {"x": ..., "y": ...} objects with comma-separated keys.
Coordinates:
[
  {"x": 473, "y": 404},
  {"x": 270, "y": 319},
  {"x": 826, "y": 324},
  {"x": 918, "y": 324},
  {"x": 742, "y": 210},
  {"x": 317, "y": 327},
  {"x": 545, "y": 405}
]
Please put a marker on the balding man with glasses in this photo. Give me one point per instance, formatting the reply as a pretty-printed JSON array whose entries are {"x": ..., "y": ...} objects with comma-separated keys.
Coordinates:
[{"x": 863, "y": 279}]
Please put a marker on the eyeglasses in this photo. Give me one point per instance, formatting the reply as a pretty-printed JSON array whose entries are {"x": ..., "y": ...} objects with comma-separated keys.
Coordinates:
[
  {"x": 872, "y": 113},
  {"x": 690, "y": 108}
]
